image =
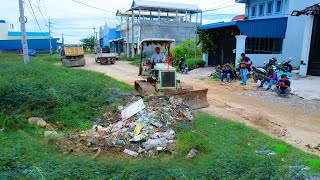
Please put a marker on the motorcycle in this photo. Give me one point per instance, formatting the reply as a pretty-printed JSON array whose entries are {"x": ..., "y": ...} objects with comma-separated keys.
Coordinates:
[
  {"x": 285, "y": 66},
  {"x": 183, "y": 67},
  {"x": 259, "y": 72}
]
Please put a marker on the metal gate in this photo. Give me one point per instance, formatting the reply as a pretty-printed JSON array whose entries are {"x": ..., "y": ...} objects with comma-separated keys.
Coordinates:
[
  {"x": 224, "y": 52},
  {"x": 314, "y": 56}
]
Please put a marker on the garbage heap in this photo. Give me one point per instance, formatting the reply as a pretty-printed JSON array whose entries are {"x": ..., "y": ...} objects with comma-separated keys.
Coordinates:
[{"x": 142, "y": 127}]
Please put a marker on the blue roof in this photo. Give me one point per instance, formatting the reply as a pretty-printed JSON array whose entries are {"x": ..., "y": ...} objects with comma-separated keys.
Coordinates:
[
  {"x": 2, "y": 21},
  {"x": 262, "y": 28},
  {"x": 29, "y": 33}
]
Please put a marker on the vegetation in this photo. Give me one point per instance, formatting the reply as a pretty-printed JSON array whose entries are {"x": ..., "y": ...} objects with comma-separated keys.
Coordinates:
[
  {"x": 88, "y": 43},
  {"x": 74, "y": 98},
  {"x": 186, "y": 50},
  {"x": 207, "y": 39}
]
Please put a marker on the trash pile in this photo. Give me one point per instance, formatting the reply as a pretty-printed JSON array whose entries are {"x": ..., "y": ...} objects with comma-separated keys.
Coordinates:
[{"x": 143, "y": 127}]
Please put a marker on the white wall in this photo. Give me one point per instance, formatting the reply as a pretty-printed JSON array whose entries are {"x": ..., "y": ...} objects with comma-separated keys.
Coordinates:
[
  {"x": 4, "y": 27},
  {"x": 283, "y": 13},
  {"x": 259, "y": 59}
]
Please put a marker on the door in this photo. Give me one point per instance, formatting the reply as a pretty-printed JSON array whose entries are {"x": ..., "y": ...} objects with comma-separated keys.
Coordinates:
[
  {"x": 314, "y": 56},
  {"x": 224, "y": 52}
]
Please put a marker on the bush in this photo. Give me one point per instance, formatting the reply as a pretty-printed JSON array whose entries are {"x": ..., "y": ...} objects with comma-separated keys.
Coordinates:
[
  {"x": 186, "y": 50},
  {"x": 201, "y": 62}
]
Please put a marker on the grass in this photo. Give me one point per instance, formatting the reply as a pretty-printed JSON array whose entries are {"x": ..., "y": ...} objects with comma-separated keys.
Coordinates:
[{"x": 76, "y": 97}]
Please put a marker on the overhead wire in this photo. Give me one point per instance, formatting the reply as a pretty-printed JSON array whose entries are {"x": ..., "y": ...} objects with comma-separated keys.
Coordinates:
[
  {"x": 45, "y": 9},
  {"x": 39, "y": 9},
  {"x": 34, "y": 15}
]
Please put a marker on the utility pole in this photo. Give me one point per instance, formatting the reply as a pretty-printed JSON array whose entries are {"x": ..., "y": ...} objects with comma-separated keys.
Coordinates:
[
  {"x": 50, "y": 37},
  {"x": 24, "y": 43},
  {"x": 94, "y": 39}
]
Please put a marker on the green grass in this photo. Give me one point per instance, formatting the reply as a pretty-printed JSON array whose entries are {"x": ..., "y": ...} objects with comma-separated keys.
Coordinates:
[
  {"x": 40, "y": 88},
  {"x": 76, "y": 97}
]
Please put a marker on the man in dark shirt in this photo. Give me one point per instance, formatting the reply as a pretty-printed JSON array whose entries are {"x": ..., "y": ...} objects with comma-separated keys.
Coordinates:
[
  {"x": 270, "y": 77},
  {"x": 283, "y": 86},
  {"x": 226, "y": 73}
]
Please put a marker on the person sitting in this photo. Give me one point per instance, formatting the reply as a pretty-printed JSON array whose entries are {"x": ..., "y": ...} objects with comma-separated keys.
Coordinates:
[
  {"x": 226, "y": 72},
  {"x": 157, "y": 57},
  {"x": 270, "y": 77},
  {"x": 283, "y": 86}
]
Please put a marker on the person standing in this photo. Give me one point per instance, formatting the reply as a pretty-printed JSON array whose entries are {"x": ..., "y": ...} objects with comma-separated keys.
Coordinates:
[
  {"x": 245, "y": 64},
  {"x": 283, "y": 86}
]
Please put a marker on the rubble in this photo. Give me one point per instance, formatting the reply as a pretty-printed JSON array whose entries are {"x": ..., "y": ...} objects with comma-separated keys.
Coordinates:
[
  {"x": 144, "y": 127},
  {"x": 192, "y": 153},
  {"x": 37, "y": 120}
]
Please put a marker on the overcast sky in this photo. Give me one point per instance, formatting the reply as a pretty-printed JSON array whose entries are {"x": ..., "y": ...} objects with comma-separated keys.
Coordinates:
[{"x": 77, "y": 21}]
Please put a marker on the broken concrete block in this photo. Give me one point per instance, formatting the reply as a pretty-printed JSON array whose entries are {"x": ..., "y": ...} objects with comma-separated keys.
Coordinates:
[
  {"x": 37, "y": 120},
  {"x": 131, "y": 153},
  {"x": 132, "y": 109}
]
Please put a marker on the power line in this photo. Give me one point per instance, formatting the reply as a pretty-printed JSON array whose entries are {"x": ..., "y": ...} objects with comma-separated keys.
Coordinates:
[
  {"x": 219, "y": 8},
  {"x": 92, "y": 6},
  {"x": 45, "y": 9},
  {"x": 39, "y": 8},
  {"x": 34, "y": 15}
]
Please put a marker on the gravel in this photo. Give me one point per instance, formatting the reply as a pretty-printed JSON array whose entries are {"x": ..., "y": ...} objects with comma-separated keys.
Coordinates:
[{"x": 291, "y": 101}]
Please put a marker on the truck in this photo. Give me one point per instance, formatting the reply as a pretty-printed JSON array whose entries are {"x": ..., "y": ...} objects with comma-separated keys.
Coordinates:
[
  {"x": 72, "y": 56},
  {"x": 105, "y": 56}
]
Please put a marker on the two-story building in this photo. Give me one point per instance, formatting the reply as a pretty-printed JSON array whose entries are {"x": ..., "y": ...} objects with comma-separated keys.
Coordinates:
[
  {"x": 269, "y": 30},
  {"x": 154, "y": 19}
]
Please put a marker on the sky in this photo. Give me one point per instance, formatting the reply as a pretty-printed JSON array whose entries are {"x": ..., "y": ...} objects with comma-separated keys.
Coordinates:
[{"x": 77, "y": 21}]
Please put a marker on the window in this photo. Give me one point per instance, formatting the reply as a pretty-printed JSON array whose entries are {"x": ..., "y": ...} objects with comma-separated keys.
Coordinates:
[
  {"x": 278, "y": 6},
  {"x": 270, "y": 7},
  {"x": 264, "y": 46},
  {"x": 253, "y": 11},
  {"x": 261, "y": 9}
]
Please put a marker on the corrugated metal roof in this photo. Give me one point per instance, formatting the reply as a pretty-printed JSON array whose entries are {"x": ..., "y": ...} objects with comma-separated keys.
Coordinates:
[
  {"x": 262, "y": 28},
  {"x": 10, "y": 33},
  {"x": 2, "y": 21},
  {"x": 36, "y": 44},
  {"x": 164, "y": 6}
]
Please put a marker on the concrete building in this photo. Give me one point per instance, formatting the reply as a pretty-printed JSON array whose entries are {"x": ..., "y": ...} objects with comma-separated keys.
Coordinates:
[
  {"x": 11, "y": 40},
  {"x": 269, "y": 31},
  {"x": 153, "y": 19}
]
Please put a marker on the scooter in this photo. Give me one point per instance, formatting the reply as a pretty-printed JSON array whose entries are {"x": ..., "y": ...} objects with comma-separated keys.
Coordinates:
[{"x": 259, "y": 72}]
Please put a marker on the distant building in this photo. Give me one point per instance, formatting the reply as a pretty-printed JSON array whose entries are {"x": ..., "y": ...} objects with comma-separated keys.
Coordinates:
[
  {"x": 11, "y": 40},
  {"x": 154, "y": 19},
  {"x": 107, "y": 35},
  {"x": 269, "y": 30}
]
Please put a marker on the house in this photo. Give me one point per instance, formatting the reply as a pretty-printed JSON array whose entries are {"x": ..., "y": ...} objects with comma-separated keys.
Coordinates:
[
  {"x": 268, "y": 31},
  {"x": 11, "y": 40},
  {"x": 154, "y": 19}
]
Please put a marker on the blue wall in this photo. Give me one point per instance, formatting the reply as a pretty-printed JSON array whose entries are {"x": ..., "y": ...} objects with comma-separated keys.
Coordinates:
[
  {"x": 36, "y": 44},
  {"x": 113, "y": 34}
]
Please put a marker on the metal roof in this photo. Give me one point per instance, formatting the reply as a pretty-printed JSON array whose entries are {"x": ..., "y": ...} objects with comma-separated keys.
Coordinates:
[
  {"x": 146, "y": 14},
  {"x": 157, "y": 40},
  {"x": 262, "y": 28},
  {"x": 10, "y": 33},
  {"x": 164, "y": 6}
]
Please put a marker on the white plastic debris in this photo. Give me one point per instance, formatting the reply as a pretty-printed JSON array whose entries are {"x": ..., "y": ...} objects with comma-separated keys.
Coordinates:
[
  {"x": 154, "y": 143},
  {"x": 192, "y": 153},
  {"x": 266, "y": 152},
  {"x": 132, "y": 109},
  {"x": 131, "y": 153}
]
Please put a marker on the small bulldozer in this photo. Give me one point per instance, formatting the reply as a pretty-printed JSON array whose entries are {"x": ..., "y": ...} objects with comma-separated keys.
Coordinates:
[
  {"x": 162, "y": 78},
  {"x": 72, "y": 56}
]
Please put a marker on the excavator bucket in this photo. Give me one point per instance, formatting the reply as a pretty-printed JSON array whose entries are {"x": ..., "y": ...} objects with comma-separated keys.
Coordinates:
[{"x": 193, "y": 99}]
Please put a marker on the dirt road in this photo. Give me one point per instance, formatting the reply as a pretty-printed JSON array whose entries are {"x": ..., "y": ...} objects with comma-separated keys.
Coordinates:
[{"x": 297, "y": 126}]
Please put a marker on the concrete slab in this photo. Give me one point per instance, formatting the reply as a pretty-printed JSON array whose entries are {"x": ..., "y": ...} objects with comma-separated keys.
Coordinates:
[{"x": 307, "y": 88}]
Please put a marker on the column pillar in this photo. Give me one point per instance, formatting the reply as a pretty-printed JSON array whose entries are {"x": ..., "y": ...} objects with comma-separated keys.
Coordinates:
[
  {"x": 306, "y": 45},
  {"x": 240, "y": 47}
]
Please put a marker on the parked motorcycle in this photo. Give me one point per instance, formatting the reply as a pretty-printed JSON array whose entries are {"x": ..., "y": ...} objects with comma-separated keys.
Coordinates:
[
  {"x": 259, "y": 72},
  {"x": 285, "y": 66},
  {"x": 183, "y": 67}
]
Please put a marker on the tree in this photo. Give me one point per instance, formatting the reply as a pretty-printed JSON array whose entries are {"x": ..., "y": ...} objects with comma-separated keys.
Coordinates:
[
  {"x": 88, "y": 43},
  {"x": 207, "y": 39}
]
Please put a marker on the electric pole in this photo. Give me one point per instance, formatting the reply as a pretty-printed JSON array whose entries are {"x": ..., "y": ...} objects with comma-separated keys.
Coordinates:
[
  {"x": 50, "y": 37},
  {"x": 24, "y": 43},
  {"x": 94, "y": 39}
]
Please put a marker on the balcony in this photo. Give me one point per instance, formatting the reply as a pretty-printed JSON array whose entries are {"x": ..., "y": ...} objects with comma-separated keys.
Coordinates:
[{"x": 241, "y": 1}]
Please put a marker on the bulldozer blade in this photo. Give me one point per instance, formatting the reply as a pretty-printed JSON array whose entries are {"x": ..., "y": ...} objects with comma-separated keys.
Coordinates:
[
  {"x": 193, "y": 99},
  {"x": 144, "y": 87}
]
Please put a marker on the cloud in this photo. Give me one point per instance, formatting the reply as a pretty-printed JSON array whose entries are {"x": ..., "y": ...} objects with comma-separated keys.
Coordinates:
[{"x": 77, "y": 21}]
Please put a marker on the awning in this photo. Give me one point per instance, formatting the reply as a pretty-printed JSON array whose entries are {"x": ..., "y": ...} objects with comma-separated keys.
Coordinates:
[
  {"x": 115, "y": 40},
  {"x": 262, "y": 28}
]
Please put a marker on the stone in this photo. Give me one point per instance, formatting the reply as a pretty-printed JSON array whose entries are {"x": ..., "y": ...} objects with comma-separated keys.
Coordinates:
[{"x": 37, "y": 120}]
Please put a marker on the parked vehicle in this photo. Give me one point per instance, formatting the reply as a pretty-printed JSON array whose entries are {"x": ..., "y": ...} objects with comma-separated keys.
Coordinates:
[
  {"x": 32, "y": 52},
  {"x": 105, "y": 56},
  {"x": 72, "y": 56},
  {"x": 285, "y": 66},
  {"x": 183, "y": 67},
  {"x": 259, "y": 72}
]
